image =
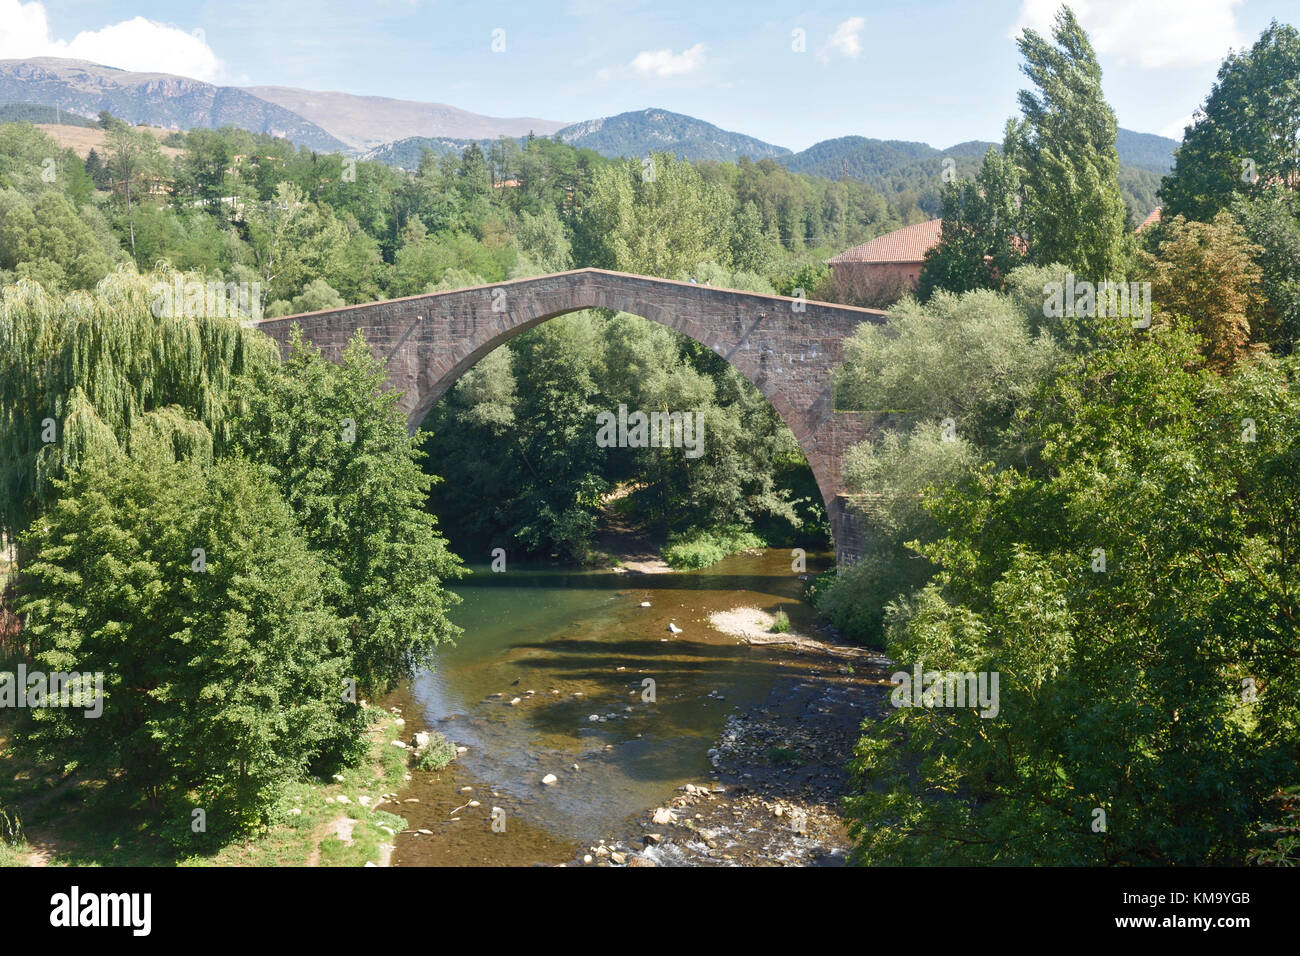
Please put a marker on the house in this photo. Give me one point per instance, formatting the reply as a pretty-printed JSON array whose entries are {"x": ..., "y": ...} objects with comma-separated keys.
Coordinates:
[
  {"x": 888, "y": 262},
  {"x": 1151, "y": 220}
]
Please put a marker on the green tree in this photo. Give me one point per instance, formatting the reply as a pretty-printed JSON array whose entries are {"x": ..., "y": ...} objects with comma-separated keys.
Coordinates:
[
  {"x": 133, "y": 158},
  {"x": 333, "y": 440},
  {"x": 1272, "y": 224},
  {"x": 1246, "y": 136},
  {"x": 1064, "y": 148},
  {"x": 655, "y": 217},
  {"x": 196, "y": 599},
  {"x": 979, "y": 241},
  {"x": 1135, "y": 593}
]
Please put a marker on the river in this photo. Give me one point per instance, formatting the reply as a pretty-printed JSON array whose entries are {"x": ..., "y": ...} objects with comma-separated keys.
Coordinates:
[{"x": 551, "y": 675}]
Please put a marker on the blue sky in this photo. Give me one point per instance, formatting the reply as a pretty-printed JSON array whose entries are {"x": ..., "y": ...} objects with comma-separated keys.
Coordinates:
[{"x": 940, "y": 71}]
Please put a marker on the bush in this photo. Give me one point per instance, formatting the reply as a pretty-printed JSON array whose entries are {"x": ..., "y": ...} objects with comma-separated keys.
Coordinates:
[
  {"x": 439, "y": 752},
  {"x": 698, "y": 549},
  {"x": 780, "y": 623}
]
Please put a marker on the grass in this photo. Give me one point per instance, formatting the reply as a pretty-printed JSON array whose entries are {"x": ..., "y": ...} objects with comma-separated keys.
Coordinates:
[
  {"x": 110, "y": 831},
  {"x": 780, "y": 622},
  {"x": 698, "y": 549}
]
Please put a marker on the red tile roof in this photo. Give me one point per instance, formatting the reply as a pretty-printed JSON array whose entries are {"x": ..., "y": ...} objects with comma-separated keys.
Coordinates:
[
  {"x": 1150, "y": 220},
  {"x": 903, "y": 245}
]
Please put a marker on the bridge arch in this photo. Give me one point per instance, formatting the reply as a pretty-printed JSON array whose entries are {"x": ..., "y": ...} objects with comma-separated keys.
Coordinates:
[{"x": 788, "y": 348}]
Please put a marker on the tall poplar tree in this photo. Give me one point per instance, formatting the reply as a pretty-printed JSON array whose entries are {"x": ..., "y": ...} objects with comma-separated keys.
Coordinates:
[{"x": 1064, "y": 146}]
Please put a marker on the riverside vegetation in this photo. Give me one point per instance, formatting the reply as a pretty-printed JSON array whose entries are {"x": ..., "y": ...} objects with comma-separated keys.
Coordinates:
[{"x": 244, "y": 570}]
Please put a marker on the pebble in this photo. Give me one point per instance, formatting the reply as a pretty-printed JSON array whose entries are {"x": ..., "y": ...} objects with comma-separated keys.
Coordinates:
[{"x": 549, "y": 779}]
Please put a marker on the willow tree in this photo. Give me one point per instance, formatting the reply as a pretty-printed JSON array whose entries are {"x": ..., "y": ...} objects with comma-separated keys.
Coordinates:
[{"x": 81, "y": 373}]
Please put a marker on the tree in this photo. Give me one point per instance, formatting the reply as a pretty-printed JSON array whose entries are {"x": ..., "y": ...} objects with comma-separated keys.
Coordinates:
[
  {"x": 655, "y": 217},
  {"x": 292, "y": 239},
  {"x": 48, "y": 241},
  {"x": 193, "y": 596},
  {"x": 1064, "y": 148},
  {"x": 332, "y": 439},
  {"x": 78, "y": 373},
  {"x": 133, "y": 156},
  {"x": 1205, "y": 274},
  {"x": 1247, "y": 135},
  {"x": 1135, "y": 593},
  {"x": 979, "y": 241},
  {"x": 1272, "y": 223}
]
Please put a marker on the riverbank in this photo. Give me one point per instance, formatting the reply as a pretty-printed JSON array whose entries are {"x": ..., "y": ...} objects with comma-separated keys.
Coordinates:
[
  {"x": 347, "y": 821},
  {"x": 774, "y": 795}
]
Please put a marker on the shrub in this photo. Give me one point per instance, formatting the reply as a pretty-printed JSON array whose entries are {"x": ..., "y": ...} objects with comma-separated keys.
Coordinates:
[
  {"x": 699, "y": 549},
  {"x": 439, "y": 752}
]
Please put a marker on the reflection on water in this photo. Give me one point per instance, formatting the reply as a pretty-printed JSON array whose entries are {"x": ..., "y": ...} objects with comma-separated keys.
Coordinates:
[{"x": 569, "y": 647}]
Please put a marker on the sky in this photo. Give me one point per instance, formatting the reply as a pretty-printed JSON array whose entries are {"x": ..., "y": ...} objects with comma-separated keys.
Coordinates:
[{"x": 937, "y": 71}]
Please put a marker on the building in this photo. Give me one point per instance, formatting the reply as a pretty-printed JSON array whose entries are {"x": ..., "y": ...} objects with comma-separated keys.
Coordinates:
[
  {"x": 1152, "y": 219},
  {"x": 888, "y": 266}
]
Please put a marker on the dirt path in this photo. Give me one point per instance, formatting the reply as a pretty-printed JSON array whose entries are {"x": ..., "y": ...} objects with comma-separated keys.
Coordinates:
[{"x": 635, "y": 552}]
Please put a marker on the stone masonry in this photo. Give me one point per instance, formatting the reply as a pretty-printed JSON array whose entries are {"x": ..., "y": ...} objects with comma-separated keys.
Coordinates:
[{"x": 787, "y": 347}]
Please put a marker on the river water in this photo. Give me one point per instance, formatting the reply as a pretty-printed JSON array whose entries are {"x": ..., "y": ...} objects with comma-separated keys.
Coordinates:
[{"x": 571, "y": 646}]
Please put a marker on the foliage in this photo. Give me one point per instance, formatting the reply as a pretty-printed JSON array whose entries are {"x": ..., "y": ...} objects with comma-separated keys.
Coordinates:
[
  {"x": 1243, "y": 140},
  {"x": 1204, "y": 275},
  {"x": 1064, "y": 148},
  {"x": 332, "y": 440},
  {"x": 437, "y": 754},
  {"x": 91, "y": 364},
  {"x": 221, "y": 667},
  {"x": 979, "y": 241},
  {"x": 1171, "y": 708},
  {"x": 1272, "y": 224},
  {"x": 689, "y": 551}
]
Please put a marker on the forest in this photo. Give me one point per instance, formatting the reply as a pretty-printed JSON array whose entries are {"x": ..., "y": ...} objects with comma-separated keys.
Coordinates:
[{"x": 1102, "y": 512}]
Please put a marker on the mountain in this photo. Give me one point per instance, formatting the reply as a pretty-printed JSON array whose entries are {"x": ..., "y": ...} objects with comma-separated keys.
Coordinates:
[
  {"x": 35, "y": 113},
  {"x": 366, "y": 122},
  {"x": 643, "y": 131},
  {"x": 406, "y": 153},
  {"x": 159, "y": 99},
  {"x": 1146, "y": 150},
  {"x": 896, "y": 167},
  {"x": 857, "y": 157}
]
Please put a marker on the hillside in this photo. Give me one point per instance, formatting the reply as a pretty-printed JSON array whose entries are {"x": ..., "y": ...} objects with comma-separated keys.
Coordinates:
[
  {"x": 897, "y": 167},
  {"x": 366, "y": 122},
  {"x": 38, "y": 114},
  {"x": 643, "y": 131},
  {"x": 158, "y": 99},
  {"x": 82, "y": 139}
]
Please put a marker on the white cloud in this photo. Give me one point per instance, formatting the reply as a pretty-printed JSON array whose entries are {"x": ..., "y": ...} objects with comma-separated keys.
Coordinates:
[
  {"x": 846, "y": 40},
  {"x": 665, "y": 63},
  {"x": 135, "y": 44},
  {"x": 1175, "y": 129},
  {"x": 1153, "y": 34}
]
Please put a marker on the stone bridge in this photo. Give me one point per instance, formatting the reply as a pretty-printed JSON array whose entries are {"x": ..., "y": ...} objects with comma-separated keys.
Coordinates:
[{"x": 789, "y": 348}]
